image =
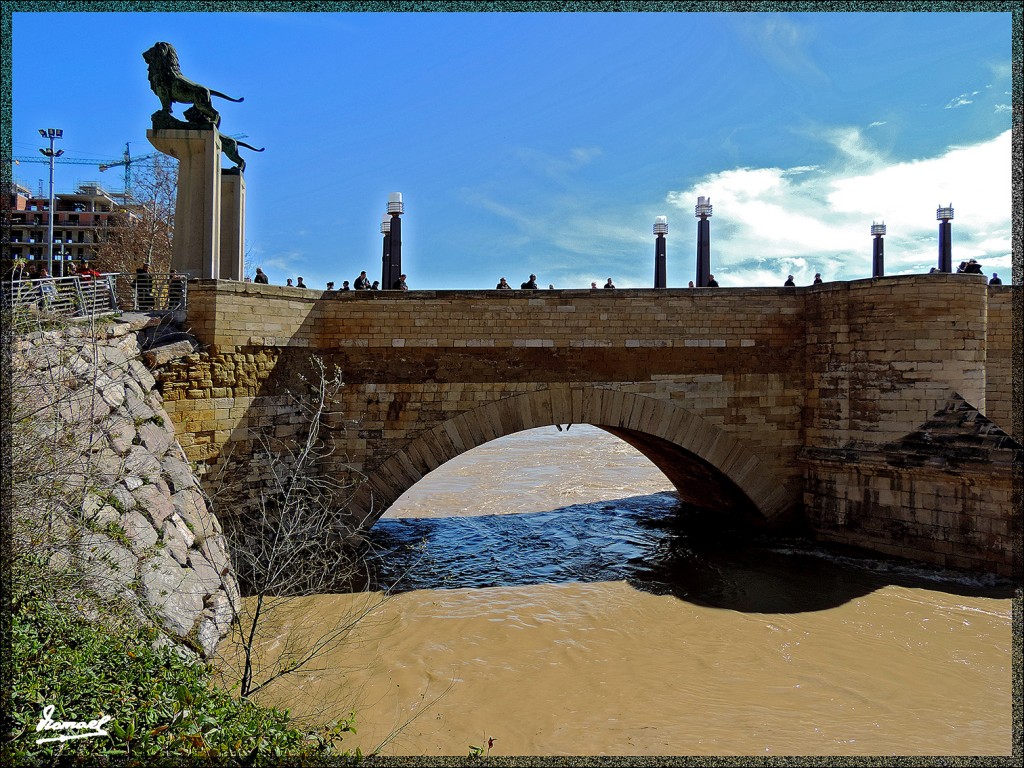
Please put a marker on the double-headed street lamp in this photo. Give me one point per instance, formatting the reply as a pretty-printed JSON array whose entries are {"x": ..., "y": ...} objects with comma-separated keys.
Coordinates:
[{"x": 51, "y": 134}]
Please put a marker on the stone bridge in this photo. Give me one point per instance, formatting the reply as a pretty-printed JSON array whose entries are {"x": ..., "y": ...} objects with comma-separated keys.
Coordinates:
[{"x": 759, "y": 402}]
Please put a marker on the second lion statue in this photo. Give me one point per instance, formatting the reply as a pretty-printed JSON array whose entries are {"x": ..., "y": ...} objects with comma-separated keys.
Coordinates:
[{"x": 171, "y": 86}]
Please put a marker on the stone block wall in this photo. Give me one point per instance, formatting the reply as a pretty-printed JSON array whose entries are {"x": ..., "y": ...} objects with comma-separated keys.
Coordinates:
[
  {"x": 839, "y": 366},
  {"x": 1004, "y": 336},
  {"x": 944, "y": 494},
  {"x": 414, "y": 360}
]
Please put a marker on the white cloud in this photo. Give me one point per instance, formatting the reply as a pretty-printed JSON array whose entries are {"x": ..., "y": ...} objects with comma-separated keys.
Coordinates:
[
  {"x": 962, "y": 100},
  {"x": 1003, "y": 108},
  {"x": 769, "y": 222}
]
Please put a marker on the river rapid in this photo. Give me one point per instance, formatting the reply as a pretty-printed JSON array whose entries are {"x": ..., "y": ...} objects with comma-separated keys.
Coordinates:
[{"x": 547, "y": 591}]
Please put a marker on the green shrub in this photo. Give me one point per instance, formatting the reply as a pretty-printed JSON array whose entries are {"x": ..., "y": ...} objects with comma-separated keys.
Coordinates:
[{"x": 162, "y": 703}]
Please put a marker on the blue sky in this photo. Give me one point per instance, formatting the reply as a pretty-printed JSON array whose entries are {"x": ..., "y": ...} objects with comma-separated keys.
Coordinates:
[{"x": 547, "y": 143}]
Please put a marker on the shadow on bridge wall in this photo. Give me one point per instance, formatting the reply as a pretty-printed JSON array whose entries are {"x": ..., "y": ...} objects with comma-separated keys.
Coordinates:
[{"x": 709, "y": 467}]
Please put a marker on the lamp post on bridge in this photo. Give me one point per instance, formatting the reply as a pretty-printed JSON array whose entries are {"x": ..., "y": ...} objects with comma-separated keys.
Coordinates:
[
  {"x": 393, "y": 262},
  {"x": 52, "y": 134},
  {"x": 385, "y": 229},
  {"x": 878, "y": 252},
  {"x": 660, "y": 230},
  {"x": 945, "y": 215},
  {"x": 703, "y": 212}
]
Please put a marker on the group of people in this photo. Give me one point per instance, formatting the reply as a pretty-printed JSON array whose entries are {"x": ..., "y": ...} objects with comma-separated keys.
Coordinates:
[
  {"x": 972, "y": 267},
  {"x": 791, "y": 284},
  {"x": 361, "y": 283}
]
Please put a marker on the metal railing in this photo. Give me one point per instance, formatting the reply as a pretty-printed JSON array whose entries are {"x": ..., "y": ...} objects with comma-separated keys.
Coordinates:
[{"x": 80, "y": 296}]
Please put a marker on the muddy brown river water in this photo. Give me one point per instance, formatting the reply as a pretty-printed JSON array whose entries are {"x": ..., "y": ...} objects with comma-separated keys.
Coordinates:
[{"x": 547, "y": 592}]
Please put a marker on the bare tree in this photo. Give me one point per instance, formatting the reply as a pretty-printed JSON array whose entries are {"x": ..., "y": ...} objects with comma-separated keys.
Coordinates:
[
  {"x": 290, "y": 535},
  {"x": 146, "y": 230}
]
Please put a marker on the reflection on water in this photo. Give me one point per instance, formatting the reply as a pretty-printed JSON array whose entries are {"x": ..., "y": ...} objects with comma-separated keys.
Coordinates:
[{"x": 564, "y": 602}]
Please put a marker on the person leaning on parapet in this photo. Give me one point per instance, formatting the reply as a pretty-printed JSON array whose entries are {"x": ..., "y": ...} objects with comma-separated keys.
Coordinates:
[
  {"x": 712, "y": 283},
  {"x": 593, "y": 285},
  {"x": 503, "y": 285},
  {"x": 144, "y": 287},
  {"x": 261, "y": 277},
  {"x": 789, "y": 282},
  {"x": 344, "y": 285},
  {"x": 995, "y": 279},
  {"x": 300, "y": 284},
  {"x": 530, "y": 284},
  {"x": 330, "y": 285},
  {"x": 609, "y": 284},
  {"x": 817, "y": 278},
  {"x": 289, "y": 283},
  {"x": 362, "y": 282},
  {"x": 973, "y": 267},
  {"x": 375, "y": 286},
  {"x": 400, "y": 284}
]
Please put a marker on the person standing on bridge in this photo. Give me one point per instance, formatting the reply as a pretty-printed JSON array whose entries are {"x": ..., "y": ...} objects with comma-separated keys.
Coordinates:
[
  {"x": 609, "y": 284},
  {"x": 789, "y": 282},
  {"x": 530, "y": 284},
  {"x": 503, "y": 285},
  {"x": 362, "y": 282},
  {"x": 261, "y": 277},
  {"x": 712, "y": 283},
  {"x": 400, "y": 284},
  {"x": 995, "y": 279}
]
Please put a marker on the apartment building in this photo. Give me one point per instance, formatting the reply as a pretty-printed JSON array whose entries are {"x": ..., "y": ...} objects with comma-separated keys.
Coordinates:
[{"x": 81, "y": 220}]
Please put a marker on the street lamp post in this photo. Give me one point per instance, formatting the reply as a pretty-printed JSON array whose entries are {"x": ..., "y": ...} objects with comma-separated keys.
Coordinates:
[
  {"x": 703, "y": 212},
  {"x": 660, "y": 230},
  {"x": 944, "y": 216},
  {"x": 395, "y": 209},
  {"x": 51, "y": 134},
  {"x": 385, "y": 229},
  {"x": 878, "y": 252}
]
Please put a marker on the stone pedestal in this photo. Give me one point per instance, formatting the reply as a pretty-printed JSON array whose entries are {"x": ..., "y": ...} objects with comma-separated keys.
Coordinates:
[
  {"x": 197, "y": 214},
  {"x": 232, "y": 225}
]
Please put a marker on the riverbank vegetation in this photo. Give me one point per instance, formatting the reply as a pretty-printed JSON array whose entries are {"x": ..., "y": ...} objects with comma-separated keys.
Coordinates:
[{"x": 88, "y": 674}]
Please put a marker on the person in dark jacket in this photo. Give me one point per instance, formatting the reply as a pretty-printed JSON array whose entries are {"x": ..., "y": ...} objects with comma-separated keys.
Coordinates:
[
  {"x": 261, "y": 277},
  {"x": 530, "y": 284},
  {"x": 789, "y": 282},
  {"x": 712, "y": 283},
  {"x": 362, "y": 282},
  {"x": 400, "y": 284},
  {"x": 995, "y": 279}
]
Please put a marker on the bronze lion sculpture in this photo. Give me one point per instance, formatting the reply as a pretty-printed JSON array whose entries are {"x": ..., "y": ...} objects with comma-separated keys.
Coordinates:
[
  {"x": 230, "y": 148},
  {"x": 171, "y": 86}
]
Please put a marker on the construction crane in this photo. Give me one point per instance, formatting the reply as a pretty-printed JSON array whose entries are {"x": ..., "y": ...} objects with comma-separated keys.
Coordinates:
[{"x": 126, "y": 161}]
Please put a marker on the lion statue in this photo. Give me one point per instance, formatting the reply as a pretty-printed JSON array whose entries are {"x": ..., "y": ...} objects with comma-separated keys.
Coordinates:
[
  {"x": 230, "y": 148},
  {"x": 171, "y": 86}
]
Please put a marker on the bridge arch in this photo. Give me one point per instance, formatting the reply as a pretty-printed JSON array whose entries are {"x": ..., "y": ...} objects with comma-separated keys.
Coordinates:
[{"x": 708, "y": 466}]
